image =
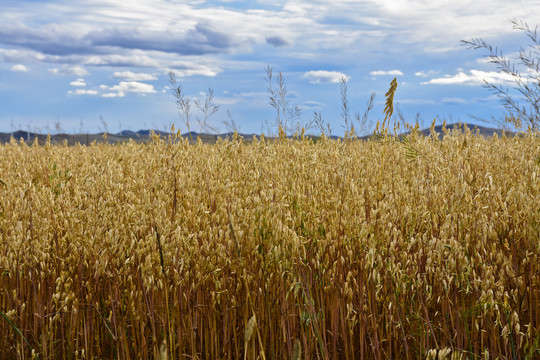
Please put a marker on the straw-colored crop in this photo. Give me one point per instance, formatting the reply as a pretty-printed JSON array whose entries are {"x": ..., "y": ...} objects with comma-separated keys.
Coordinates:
[{"x": 285, "y": 249}]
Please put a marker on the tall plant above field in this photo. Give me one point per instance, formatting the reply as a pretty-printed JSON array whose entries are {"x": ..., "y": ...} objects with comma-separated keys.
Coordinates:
[
  {"x": 288, "y": 117},
  {"x": 525, "y": 109},
  {"x": 183, "y": 103}
]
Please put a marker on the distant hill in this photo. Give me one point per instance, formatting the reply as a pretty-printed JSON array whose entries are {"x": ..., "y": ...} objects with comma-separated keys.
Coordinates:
[
  {"x": 144, "y": 135},
  {"x": 123, "y": 136},
  {"x": 482, "y": 130}
]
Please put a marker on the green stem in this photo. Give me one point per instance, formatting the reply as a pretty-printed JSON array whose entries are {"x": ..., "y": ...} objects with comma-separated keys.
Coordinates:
[{"x": 18, "y": 331}]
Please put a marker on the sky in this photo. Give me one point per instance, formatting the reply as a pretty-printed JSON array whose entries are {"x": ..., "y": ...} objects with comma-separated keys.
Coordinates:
[{"x": 102, "y": 65}]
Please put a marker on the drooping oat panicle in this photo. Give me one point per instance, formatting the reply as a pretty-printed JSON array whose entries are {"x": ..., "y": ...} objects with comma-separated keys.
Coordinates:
[{"x": 389, "y": 105}]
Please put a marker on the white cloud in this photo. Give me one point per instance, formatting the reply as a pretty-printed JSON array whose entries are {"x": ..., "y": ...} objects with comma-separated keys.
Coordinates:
[
  {"x": 312, "y": 105},
  {"x": 113, "y": 95},
  {"x": 448, "y": 101},
  {"x": 83, "y": 92},
  {"x": 185, "y": 69},
  {"x": 457, "y": 100},
  {"x": 323, "y": 76},
  {"x": 124, "y": 87},
  {"x": 131, "y": 76},
  {"x": 475, "y": 100},
  {"x": 106, "y": 27},
  {"x": 425, "y": 73},
  {"x": 19, "y": 67},
  {"x": 78, "y": 82},
  {"x": 225, "y": 101},
  {"x": 475, "y": 77},
  {"x": 251, "y": 94},
  {"x": 70, "y": 70},
  {"x": 417, "y": 101},
  {"x": 126, "y": 58},
  {"x": 386, "y": 73}
]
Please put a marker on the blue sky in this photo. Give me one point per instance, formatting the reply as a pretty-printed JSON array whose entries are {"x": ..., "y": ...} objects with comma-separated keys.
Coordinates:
[{"x": 87, "y": 66}]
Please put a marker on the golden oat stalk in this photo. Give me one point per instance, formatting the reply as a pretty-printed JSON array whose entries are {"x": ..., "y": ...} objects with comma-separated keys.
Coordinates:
[
  {"x": 251, "y": 324},
  {"x": 163, "y": 351},
  {"x": 443, "y": 354},
  {"x": 297, "y": 350}
]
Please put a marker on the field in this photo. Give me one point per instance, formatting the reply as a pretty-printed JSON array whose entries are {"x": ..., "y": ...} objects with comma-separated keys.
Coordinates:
[{"x": 287, "y": 249}]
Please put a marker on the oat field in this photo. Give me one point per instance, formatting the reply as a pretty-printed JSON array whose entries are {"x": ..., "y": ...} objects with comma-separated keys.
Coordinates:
[{"x": 283, "y": 249}]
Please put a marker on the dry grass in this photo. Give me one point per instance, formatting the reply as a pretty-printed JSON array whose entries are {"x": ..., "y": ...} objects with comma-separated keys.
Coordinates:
[{"x": 277, "y": 250}]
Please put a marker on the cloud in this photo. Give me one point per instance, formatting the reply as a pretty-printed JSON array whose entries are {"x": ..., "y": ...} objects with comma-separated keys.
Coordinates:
[
  {"x": 386, "y": 73},
  {"x": 19, "y": 67},
  {"x": 82, "y": 92},
  {"x": 15, "y": 55},
  {"x": 251, "y": 95},
  {"x": 105, "y": 26},
  {"x": 323, "y": 76},
  {"x": 448, "y": 101},
  {"x": 185, "y": 69},
  {"x": 70, "y": 70},
  {"x": 50, "y": 39},
  {"x": 128, "y": 75},
  {"x": 93, "y": 32},
  {"x": 63, "y": 40},
  {"x": 476, "y": 77},
  {"x": 78, "y": 82},
  {"x": 200, "y": 40},
  {"x": 277, "y": 41},
  {"x": 462, "y": 101},
  {"x": 456, "y": 101},
  {"x": 124, "y": 87},
  {"x": 312, "y": 105},
  {"x": 133, "y": 86},
  {"x": 113, "y": 95},
  {"x": 425, "y": 73},
  {"x": 225, "y": 101},
  {"x": 126, "y": 59},
  {"x": 417, "y": 101}
]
